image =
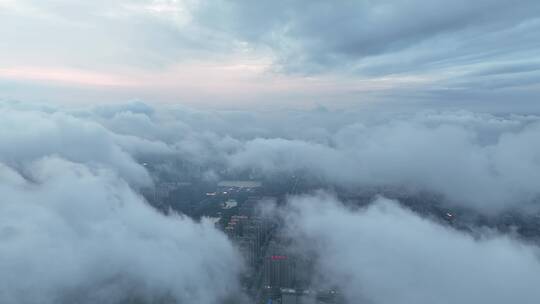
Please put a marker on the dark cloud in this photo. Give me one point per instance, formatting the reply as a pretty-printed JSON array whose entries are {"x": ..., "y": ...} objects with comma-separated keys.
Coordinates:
[{"x": 320, "y": 35}]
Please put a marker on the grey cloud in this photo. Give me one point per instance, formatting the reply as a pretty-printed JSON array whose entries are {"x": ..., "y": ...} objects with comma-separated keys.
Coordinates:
[
  {"x": 323, "y": 35},
  {"x": 135, "y": 107},
  {"x": 30, "y": 135},
  {"x": 77, "y": 234},
  {"x": 387, "y": 254},
  {"x": 436, "y": 50},
  {"x": 69, "y": 177},
  {"x": 475, "y": 160},
  {"x": 363, "y": 37},
  {"x": 481, "y": 161},
  {"x": 73, "y": 227},
  {"x": 444, "y": 45},
  {"x": 511, "y": 68},
  {"x": 488, "y": 170}
]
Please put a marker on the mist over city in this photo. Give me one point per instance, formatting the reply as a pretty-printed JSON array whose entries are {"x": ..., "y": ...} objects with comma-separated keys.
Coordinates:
[{"x": 273, "y": 152}]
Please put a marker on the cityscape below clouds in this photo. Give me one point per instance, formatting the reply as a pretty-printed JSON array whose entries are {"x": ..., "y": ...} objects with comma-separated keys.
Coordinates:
[{"x": 273, "y": 152}]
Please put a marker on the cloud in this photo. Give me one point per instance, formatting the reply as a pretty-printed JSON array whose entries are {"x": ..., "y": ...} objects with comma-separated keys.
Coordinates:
[
  {"x": 480, "y": 162},
  {"x": 304, "y": 36},
  {"x": 319, "y": 35},
  {"x": 269, "y": 52},
  {"x": 73, "y": 227},
  {"x": 474, "y": 160},
  {"x": 30, "y": 135},
  {"x": 387, "y": 254},
  {"x": 70, "y": 177},
  {"x": 75, "y": 234}
]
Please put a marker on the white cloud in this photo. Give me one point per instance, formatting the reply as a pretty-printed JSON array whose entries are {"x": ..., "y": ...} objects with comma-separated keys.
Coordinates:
[
  {"x": 76, "y": 234},
  {"x": 73, "y": 228},
  {"x": 69, "y": 179},
  {"x": 30, "y": 135},
  {"x": 475, "y": 161},
  {"x": 386, "y": 254}
]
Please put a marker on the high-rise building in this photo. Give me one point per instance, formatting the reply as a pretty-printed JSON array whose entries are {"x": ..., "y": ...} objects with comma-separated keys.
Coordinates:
[{"x": 279, "y": 269}]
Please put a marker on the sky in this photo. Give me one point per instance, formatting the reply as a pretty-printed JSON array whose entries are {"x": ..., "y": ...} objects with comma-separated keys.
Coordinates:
[{"x": 266, "y": 54}]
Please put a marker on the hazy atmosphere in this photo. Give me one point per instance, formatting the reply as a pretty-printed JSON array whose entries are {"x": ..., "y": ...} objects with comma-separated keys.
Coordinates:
[
  {"x": 265, "y": 54},
  {"x": 275, "y": 152}
]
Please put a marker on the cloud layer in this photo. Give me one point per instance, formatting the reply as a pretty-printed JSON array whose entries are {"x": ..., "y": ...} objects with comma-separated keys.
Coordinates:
[
  {"x": 73, "y": 228},
  {"x": 432, "y": 153},
  {"x": 480, "y": 161},
  {"x": 387, "y": 254},
  {"x": 73, "y": 221}
]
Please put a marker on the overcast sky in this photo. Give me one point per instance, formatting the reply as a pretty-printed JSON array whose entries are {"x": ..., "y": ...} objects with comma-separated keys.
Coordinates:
[{"x": 480, "y": 54}]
